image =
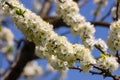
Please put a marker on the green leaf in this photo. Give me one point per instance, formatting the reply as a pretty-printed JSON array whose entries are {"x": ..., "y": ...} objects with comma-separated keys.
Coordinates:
[
  {"x": 103, "y": 55},
  {"x": 20, "y": 11}
]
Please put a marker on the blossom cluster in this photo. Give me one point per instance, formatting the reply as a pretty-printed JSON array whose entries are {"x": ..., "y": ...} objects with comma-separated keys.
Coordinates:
[
  {"x": 6, "y": 42},
  {"x": 102, "y": 45},
  {"x": 113, "y": 40},
  {"x": 59, "y": 52},
  {"x": 57, "y": 49},
  {"x": 68, "y": 10},
  {"x": 32, "y": 69},
  {"x": 108, "y": 63}
]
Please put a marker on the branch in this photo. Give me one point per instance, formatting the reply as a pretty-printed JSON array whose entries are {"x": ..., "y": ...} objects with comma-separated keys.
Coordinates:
[
  {"x": 99, "y": 48},
  {"x": 101, "y": 71},
  {"x": 100, "y": 23},
  {"x": 57, "y": 22},
  {"x": 106, "y": 73},
  {"x": 26, "y": 55},
  {"x": 117, "y": 12},
  {"x": 118, "y": 57},
  {"x": 76, "y": 1}
]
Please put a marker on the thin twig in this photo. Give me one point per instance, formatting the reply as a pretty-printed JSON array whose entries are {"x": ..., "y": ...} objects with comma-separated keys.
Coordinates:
[
  {"x": 101, "y": 71},
  {"x": 117, "y": 6},
  {"x": 26, "y": 55},
  {"x": 58, "y": 22},
  {"x": 118, "y": 57},
  {"x": 99, "y": 49},
  {"x": 76, "y": 1}
]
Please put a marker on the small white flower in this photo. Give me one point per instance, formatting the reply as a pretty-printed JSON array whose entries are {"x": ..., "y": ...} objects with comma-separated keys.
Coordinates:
[
  {"x": 69, "y": 12},
  {"x": 101, "y": 44},
  {"x": 56, "y": 49},
  {"x": 7, "y": 43},
  {"x": 114, "y": 12},
  {"x": 113, "y": 40},
  {"x": 67, "y": 7},
  {"x": 89, "y": 43},
  {"x": 32, "y": 69},
  {"x": 57, "y": 63},
  {"x": 7, "y": 35},
  {"x": 83, "y": 54},
  {"x": 108, "y": 62},
  {"x": 86, "y": 68}
]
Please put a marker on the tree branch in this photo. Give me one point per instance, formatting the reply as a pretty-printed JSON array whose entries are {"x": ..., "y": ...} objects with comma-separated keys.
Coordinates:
[
  {"x": 76, "y": 1},
  {"x": 58, "y": 22},
  {"x": 118, "y": 57},
  {"x": 26, "y": 55},
  {"x": 118, "y": 4},
  {"x": 101, "y": 71}
]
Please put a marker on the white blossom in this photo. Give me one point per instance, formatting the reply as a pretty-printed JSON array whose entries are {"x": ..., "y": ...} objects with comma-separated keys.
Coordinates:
[
  {"x": 65, "y": 7},
  {"x": 113, "y": 12},
  {"x": 59, "y": 52},
  {"x": 7, "y": 42},
  {"x": 108, "y": 63},
  {"x": 101, "y": 44},
  {"x": 6, "y": 35},
  {"x": 85, "y": 57},
  {"x": 57, "y": 63},
  {"x": 86, "y": 68},
  {"x": 32, "y": 69},
  {"x": 89, "y": 42},
  {"x": 69, "y": 11},
  {"x": 113, "y": 40},
  {"x": 83, "y": 54},
  {"x": 39, "y": 51},
  {"x": 61, "y": 47}
]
